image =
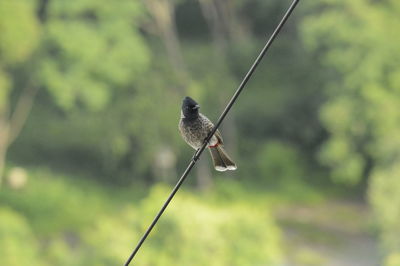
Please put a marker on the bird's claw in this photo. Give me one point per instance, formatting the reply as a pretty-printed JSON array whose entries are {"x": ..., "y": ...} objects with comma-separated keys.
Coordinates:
[{"x": 195, "y": 156}]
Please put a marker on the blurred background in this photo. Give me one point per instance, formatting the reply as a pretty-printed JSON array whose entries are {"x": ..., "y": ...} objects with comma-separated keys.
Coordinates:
[{"x": 90, "y": 96}]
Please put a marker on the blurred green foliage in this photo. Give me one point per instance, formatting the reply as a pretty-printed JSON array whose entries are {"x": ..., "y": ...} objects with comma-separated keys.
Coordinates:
[
  {"x": 357, "y": 40},
  {"x": 19, "y": 30},
  {"x": 320, "y": 113},
  {"x": 91, "y": 49},
  {"x": 280, "y": 159},
  {"x": 79, "y": 223},
  {"x": 16, "y": 235},
  {"x": 393, "y": 259},
  {"x": 19, "y": 36}
]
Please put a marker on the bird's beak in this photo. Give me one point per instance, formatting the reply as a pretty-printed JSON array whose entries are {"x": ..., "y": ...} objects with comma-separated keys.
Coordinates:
[{"x": 196, "y": 107}]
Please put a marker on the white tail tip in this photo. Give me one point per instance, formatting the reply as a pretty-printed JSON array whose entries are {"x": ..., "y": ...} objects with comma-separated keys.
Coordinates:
[
  {"x": 221, "y": 168},
  {"x": 231, "y": 167}
]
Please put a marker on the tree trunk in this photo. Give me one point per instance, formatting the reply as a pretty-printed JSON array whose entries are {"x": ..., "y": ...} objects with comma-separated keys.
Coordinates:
[
  {"x": 210, "y": 13},
  {"x": 203, "y": 174},
  {"x": 223, "y": 23},
  {"x": 3, "y": 150},
  {"x": 163, "y": 12},
  {"x": 11, "y": 125},
  {"x": 2, "y": 166}
]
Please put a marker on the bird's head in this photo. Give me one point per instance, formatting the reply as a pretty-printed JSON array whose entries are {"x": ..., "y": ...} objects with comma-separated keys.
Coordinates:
[{"x": 190, "y": 108}]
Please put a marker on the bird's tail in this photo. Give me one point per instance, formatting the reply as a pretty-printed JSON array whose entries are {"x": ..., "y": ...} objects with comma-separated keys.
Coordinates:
[{"x": 221, "y": 160}]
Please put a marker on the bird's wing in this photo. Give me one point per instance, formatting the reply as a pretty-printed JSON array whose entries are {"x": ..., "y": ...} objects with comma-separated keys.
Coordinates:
[
  {"x": 210, "y": 126},
  {"x": 219, "y": 137}
]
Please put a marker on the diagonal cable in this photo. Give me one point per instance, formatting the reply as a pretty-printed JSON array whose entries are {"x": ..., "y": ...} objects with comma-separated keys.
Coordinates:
[{"x": 198, "y": 153}]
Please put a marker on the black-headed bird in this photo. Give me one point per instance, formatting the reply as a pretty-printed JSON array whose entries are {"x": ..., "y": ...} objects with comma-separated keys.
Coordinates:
[{"x": 195, "y": 127}]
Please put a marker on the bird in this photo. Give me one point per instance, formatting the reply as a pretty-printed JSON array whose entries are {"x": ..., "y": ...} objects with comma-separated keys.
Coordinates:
[{"x": 195, "y": 127}]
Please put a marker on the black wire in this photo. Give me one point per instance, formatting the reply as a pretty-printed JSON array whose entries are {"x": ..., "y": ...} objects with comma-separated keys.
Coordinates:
[{"x": 197, "y": 154}]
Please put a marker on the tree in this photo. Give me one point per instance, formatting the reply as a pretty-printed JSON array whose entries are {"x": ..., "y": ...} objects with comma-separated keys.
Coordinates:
[
  {"x": 358, "y": 40},
  {"x": 91, "y": 50},
  {"x": 19, "y": 37},
  {"x": 163, "y": 15},
  {"x": 83, "y": 53}
]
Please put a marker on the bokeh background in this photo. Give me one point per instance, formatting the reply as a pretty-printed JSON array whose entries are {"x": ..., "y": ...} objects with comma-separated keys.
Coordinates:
[{"x": 90, "y": 95}]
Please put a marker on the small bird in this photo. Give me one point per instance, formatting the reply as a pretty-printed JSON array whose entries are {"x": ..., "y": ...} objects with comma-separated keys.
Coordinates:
[{"x": 195, "y": 127}]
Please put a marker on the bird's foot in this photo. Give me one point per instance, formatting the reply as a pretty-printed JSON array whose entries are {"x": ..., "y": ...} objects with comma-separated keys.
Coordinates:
[{"x": 195, "y": 156}]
